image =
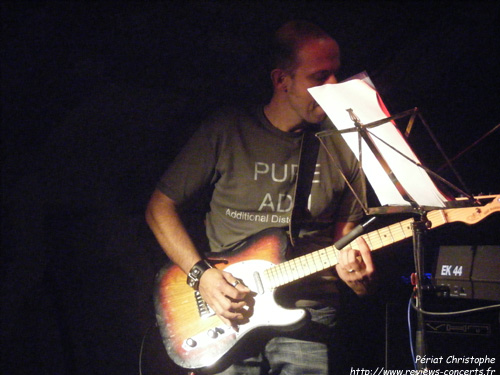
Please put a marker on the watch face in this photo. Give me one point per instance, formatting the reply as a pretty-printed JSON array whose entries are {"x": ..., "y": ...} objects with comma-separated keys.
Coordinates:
[{"x": 195, "y": 273}]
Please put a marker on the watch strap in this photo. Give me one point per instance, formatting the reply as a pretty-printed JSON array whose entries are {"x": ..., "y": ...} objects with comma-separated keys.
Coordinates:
[{"x": 194, "y": 275}]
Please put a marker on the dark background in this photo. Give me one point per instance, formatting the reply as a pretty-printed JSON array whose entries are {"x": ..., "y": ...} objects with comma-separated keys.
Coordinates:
[{"x": 97, "y": 97}]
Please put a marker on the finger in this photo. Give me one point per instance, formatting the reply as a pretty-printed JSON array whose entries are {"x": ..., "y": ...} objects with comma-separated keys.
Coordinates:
[
  {"x": 236, "y": 284},
  {"x": 345, "y": 273},
  {"x": 228, "y": 310},
  {"x": 218, "y": 309},
  {"x": 343, "y": 258},
  {"x": 366, "y": 255},
  {"x": 219, "y": 295},
  {"x": 352, "y": 258},
  {"x": 237, "y": 305},
  {"x": 239, "y": 285},
  {"x": 349, "y": 262}
]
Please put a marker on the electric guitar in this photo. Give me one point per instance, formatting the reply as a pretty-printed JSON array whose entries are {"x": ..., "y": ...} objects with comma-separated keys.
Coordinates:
[{"x": 196, "y": 338}]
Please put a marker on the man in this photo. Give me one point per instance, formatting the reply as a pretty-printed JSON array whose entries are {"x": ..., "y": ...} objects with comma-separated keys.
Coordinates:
[{"x": 248, "y": 161}]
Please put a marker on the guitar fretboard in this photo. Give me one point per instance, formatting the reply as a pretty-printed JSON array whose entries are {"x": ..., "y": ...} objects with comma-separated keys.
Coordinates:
[{"x": 302, "y": 266}]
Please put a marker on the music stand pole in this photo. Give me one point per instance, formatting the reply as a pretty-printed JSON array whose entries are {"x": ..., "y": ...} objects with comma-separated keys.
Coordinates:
[{"x": 419, "y": 228}]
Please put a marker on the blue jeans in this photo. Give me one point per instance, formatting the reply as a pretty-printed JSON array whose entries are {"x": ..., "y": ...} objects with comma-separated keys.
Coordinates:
[{"x": 301, "y": 352}]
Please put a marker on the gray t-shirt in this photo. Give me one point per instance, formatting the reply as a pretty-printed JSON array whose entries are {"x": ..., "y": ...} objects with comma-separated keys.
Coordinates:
[{"x": 250, "y": 169}]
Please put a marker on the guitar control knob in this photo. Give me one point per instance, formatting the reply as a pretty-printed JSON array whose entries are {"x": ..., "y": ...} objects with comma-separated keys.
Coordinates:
[
  {"x": 191, "y": 343},
  {"x": 212, "y": 333},
  {"x": 219, "y": 330}
]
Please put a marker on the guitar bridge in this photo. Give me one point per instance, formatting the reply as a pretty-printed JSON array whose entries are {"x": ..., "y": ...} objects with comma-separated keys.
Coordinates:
[{"x": 204, "y": 310}]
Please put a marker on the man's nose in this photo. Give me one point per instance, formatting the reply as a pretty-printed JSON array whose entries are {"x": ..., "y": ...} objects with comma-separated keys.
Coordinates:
[{"x": 331, "y": 79}]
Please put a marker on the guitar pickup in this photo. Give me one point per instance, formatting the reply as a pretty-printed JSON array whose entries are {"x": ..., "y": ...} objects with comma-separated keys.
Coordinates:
[
  {"x": 258, "y": 282},
  {"x": 204, "y": 310}
]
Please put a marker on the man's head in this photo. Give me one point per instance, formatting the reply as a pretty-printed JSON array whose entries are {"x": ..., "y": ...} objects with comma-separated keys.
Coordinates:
[{"x": 304, "y": 56}]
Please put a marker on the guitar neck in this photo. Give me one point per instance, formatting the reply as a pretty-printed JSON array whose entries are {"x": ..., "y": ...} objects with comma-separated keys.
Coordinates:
[{"x": 327, "y": 257}]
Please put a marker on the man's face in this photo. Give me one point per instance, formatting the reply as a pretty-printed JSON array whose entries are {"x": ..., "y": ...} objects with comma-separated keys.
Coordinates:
[{"x": 318, "y": 61}]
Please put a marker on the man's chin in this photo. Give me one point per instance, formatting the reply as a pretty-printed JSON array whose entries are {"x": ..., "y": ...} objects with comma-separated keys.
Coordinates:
[{"x": 318, "y": 115}]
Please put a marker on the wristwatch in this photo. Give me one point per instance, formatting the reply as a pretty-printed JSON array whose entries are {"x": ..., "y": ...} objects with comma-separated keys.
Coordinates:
[{"x": 194, "y": 275}]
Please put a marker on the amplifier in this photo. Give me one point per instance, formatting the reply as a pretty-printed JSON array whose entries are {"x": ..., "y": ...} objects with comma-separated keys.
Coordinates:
[
  {"x": 486, "y": 273},
  {"x": 463, "y": 336},
  {"x": 469, "y": 271}
]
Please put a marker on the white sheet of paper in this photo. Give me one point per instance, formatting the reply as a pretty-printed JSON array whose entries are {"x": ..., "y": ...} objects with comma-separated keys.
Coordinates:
[{"x": 336, "y": 99}]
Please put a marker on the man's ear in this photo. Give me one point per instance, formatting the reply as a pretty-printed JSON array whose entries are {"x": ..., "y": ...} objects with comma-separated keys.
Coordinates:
[{"x": 280, "y": 80}]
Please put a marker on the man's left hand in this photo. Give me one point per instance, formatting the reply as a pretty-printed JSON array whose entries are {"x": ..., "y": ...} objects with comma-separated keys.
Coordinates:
[{"x": 356, "y": 267}]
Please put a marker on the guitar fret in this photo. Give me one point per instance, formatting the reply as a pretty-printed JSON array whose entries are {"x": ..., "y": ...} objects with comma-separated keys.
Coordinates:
[
  {"x": 398, "y": 234},
  {"x": 333, "y": 254},
  {"x": 387, "y": 232},
  {"x": 382, "y": 238},
  {"x": 324, "y": 259},
  {"x": 316, "y": 261},
  {"x": 291, "y": 269},
  {"x": 407, "y": 230},
  {"x": 270, "y": 277},
  {"x": 281, "y": 273},
  {"x": 368, "y": 240},
  {"x": 297, "y": 268},
  {"x": 304, "y": 265},
  {"x": 395, "y": 233},
  {"x": 310, "y": 264},
  {"x": 278, "y": 274},
  {"x": 374, "y": 240},
  {"x": 288, "y": 271},
  {"x": 435, "y": 216}
]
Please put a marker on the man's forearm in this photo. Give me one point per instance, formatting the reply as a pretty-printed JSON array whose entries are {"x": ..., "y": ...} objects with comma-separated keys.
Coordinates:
[{"x": 166, "y": 225}]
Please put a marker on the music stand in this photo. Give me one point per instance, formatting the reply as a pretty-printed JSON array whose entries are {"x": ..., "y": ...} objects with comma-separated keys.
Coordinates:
[{"x": 396, "y": 190}]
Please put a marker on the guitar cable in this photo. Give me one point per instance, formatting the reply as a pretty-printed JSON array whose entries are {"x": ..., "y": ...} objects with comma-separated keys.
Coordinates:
[
  {"x": 141, "y": 350},
  {"x": 410, "y": 332},
  {"x": 451, "y": 313}
]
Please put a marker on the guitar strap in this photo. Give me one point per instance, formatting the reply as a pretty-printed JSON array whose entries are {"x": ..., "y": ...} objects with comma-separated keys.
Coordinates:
[{"x": 305, "y": 173}]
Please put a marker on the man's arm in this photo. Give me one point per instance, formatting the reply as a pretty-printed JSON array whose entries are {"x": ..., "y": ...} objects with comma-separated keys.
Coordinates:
[
  {"x": 164, "y": 221},
  {"x": 215, "y": 285},
  {"x": 355, "y": 266}
]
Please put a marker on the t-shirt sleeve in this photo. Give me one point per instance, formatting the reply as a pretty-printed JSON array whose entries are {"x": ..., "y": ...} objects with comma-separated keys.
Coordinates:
[
  {"x": 353, "y": 199},
  {"x": 350, "y": 209},
  {"x": 194, "y": 167}
]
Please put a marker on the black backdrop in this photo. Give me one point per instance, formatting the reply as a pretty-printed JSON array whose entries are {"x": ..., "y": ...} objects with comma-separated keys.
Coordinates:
[{"x": 97, "y": 97}]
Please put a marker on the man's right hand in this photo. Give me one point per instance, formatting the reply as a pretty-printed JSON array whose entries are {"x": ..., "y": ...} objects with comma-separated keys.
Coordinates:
[{"x": 225, "y": 294}]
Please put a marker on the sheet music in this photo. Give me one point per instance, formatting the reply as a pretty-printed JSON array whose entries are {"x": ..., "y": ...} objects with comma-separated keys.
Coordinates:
[{"x": 357, "y": 95}]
